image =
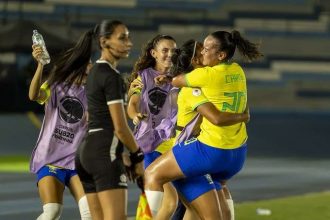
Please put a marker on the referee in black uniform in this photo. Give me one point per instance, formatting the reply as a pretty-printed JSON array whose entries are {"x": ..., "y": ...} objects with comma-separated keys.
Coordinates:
[{"x": 99, "y": 158}]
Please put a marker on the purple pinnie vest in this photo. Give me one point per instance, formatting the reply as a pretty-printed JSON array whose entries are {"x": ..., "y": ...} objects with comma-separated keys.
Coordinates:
[
  {"x": 156, "y": 102},
  {"x": 63, "y": 128},
  {"x": 187, "y": 131}
]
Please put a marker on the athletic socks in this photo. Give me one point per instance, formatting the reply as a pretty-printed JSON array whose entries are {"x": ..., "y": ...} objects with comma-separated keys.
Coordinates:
[
  {"x": 230, "y": 203},
  {"x": 154, "y": 200},
  {"x": 84, "y": 209},
  {"x": 52, "y": 211}
]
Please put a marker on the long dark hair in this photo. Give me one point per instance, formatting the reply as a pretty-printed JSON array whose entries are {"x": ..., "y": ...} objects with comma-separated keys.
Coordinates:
[
  {"x": 146, "y": 60},
  {"x": 183, "y": 56},
  {"x": 71, "y": 66},
  {"x": 229, "y": 41}
]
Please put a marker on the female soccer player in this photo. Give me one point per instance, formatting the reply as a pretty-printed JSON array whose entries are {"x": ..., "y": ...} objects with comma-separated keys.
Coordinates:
[
  {"x": 153, "y": 111},
  {"x": 219, "y": 151},
  {"x": 63, "y": 128}
]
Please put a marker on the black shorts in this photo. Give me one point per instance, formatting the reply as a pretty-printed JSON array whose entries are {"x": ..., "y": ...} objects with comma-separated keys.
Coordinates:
[{"x": 99, "y": 162}]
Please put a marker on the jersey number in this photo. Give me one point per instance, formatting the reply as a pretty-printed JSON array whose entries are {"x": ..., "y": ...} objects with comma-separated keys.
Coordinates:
[{"x": 237, "y": 98}]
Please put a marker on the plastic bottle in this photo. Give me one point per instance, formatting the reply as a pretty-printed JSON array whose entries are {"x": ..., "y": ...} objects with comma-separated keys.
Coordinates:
[{"x": 37, "y": 39}]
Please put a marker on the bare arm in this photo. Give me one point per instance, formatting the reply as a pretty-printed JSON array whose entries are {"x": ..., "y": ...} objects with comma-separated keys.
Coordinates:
[
  {"x": 34, "y": 90},
  {"x": 211, "y": 113},
  {"x": 133, "y": 110},
  {"x": 123, "y": 132},
  {"x": 179, "y": 81},
  {"x": 133, "y": 106}
]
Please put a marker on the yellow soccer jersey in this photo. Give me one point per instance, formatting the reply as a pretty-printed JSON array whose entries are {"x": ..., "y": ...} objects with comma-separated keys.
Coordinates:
[
  {"x": 165, "y": 146},
  {"x": 188, "y": 100},
  {"x": 44, "y": 87},
  {"x": 225, "y": 86}
]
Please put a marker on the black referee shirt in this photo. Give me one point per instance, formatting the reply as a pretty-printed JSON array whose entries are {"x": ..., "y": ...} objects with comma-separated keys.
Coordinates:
[{"x": 104, "y": 86}]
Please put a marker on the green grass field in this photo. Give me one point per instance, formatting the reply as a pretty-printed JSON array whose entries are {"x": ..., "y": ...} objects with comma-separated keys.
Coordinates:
[
  {"x": 314, "y": 206},
  {"x": 14, "y": 164}
]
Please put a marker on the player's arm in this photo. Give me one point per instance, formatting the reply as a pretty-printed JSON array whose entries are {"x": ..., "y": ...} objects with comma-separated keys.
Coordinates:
[
  {"x": 179, "y": 81},
  {"x": 124, "y": 134},
  {"x": 121, "y": 128},
  {"x": 198, "y": 78},
  {"x": 35, "y": 93},
  {"x": 216, "y": 117},
  {"x": 112, "y": 87},
  {"x": 133, "y": 108}
]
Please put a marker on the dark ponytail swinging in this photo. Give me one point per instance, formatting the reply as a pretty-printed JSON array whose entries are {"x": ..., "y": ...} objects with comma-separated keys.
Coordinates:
[
  {"x": 71, "y": 66},
  {"x": 229, "y": 41},
  {"x": 182, "y": 58}
]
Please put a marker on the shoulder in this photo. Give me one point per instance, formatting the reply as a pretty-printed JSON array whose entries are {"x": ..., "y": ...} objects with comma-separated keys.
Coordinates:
[
  {"x": 234, "y": 64},
  {"x": 104, "y": 68},
  {"x": 103, "y": 71},
  {"x": 236, "y": 67},
  {"x": 146, "y": 73},
  {"x": 200, "y": 70},
  {"x": 198, "y": 73}
]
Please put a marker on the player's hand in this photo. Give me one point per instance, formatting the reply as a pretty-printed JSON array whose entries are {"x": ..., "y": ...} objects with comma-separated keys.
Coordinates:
[
  {"x": 138, "y": 118},
  {"x": 134, "y": 86},
  {"x": 139, "y": 169},
  {"x": 162, "y": 79},
  {"x": 37, "y": 52}
]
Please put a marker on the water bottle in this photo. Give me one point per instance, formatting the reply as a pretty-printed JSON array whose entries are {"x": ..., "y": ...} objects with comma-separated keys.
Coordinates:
[{"x": 37, "y": 39}]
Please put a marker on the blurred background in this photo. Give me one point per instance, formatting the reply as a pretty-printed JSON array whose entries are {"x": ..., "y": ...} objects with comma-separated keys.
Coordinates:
[{"x": 288, "y": 90}]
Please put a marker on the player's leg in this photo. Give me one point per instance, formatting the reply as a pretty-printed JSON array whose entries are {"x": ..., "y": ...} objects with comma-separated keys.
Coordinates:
[
  {"x": 51, "y": 192},
  {"x": 78, "y": 193},
  {"x": 114, "y": 204}
]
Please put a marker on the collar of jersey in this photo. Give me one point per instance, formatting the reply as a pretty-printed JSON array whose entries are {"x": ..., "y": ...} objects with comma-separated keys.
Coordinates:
[{"x": 104, "y": 61}]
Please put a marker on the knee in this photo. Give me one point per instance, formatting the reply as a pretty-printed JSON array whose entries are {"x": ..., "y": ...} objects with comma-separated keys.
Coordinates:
[
  {"x": 151, "y": 178},
  {"x": 51, "y": 211},
  {"x": 171, "y": 206},
  {"x": 226, "y": 214}
]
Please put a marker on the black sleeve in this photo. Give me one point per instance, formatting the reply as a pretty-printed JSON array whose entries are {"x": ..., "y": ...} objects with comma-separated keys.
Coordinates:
[{"x": 113, "y": 88}]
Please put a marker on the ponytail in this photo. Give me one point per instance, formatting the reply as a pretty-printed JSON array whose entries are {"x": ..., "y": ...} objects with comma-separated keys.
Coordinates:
[
  {"x": 182, "y": 58},
  {"x": 230, "y": 41},
  {"x": 71, "y": 66},
  {"x": 246, "y": 48}
]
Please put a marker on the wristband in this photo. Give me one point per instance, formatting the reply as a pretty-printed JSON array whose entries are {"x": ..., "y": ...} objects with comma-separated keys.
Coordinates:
[{"x": 136, "y": 157}]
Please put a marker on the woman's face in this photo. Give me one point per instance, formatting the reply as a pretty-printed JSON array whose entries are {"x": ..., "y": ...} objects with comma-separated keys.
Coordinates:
[
  {"x": 119, "y": 44},
  {"x": 163, "y": 53},
  {"x": 210, "y": 51}
]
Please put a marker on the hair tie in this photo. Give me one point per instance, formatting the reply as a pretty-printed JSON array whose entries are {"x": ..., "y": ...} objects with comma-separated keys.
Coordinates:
[{"x": 194, "y": 51}]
